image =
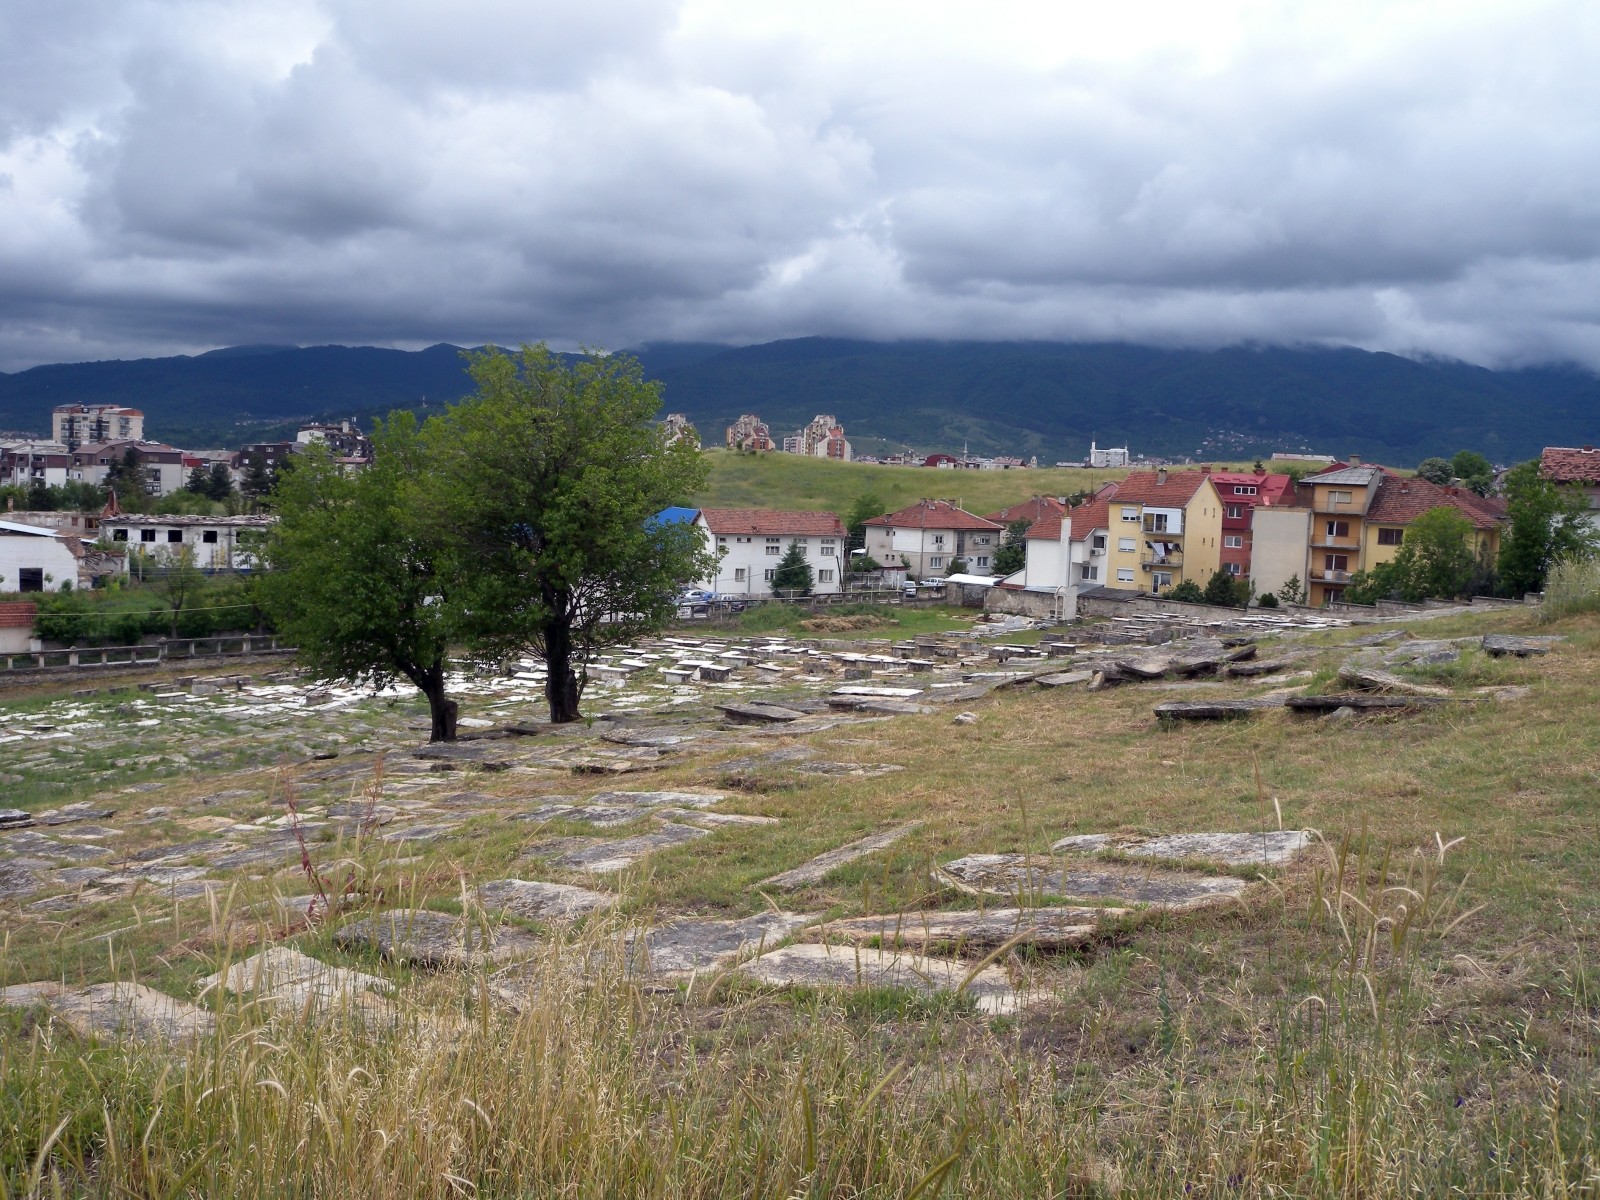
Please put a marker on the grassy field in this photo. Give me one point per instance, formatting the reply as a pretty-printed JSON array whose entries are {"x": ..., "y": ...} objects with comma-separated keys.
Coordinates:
[{"x": 1409, "y": 1011}]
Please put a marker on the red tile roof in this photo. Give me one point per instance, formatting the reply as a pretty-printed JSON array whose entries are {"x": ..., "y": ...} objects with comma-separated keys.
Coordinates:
[
  {"x": 1146, "y": 487},
  {"x": 1566, "y": 464},
  {"x": 1399, "y": 501},
  {"x": 17, "y": 616},
  {"x": 772, "y": 522},
  {"x": 932, "y": 514},
  {"x": 1035, "y": 509},
  {"x": 1085, "y": 517},
  {"x": 1270, "y": 489}
]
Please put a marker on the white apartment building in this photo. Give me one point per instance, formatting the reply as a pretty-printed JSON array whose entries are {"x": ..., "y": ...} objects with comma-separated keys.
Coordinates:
[{"x": 751, "y": 542}]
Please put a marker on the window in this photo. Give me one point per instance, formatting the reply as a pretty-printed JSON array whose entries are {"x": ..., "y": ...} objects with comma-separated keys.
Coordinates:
[
  {"x": 209, "y": 537},
  {"x": 1085, "y": 571},
  {"x": 827, "y": 547},
  {"x": 722, "y": 541},
  {"x": 147, "y": 535},
  {"x": 1124, "y": 575},
  {"x": 744, "y": 540},
  {"x": 30, "y": 579},
  {"x": 1233, "y": 541},
  {"x": 738, "y": 574},
  {"x": 1125, "y": 544},
  {"x": 824, "y": 576},
  {"x": 769, "y": 573},
  {"x": 1161, "y": 579},
  {"x": 982, "y": 560},
  {"x": 119, "y": 535},
  {"x": 936, "y": 561},
  {"x": 1338, "y": 529},
  {"x": 174, "y": 535},
  {"x": 1099, "y": 542},
  {"x": 981, "y": 541},
  {"x": 1233, "y": 511},
  {"x": 938, "y": 539},
  {"x": 1336, "y": 498},
  {"x": 1240, "y": 490},
  {"x": 1231, "y": 568},
  {"x": 1390, "y": 537},
  {"x": 1336, "y": 562},
  {"x": 773, "y": 548},
  {"x": 1130, "y": 514},
  {"x": 1155, "y": 522}
]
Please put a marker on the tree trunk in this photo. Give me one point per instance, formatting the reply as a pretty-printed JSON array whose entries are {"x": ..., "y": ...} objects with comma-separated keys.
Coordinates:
[
  {"x": 561, "y": 681},
  {"x": 441, "y": 709}
]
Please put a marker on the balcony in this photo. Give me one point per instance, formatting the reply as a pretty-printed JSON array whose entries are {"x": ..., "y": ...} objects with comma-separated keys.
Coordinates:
[
  {"x": 1336, "y": 543},
  {"x": 1149, "y": 561},
  {"x": 1331, "y": 576}
]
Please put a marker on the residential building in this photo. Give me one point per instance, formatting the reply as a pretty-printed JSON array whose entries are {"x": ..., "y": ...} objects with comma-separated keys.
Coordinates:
[
  {"x": 929, "y": 535},
  {"x": 823, "y": 438},
  {"x": 1400, "y": 501},
  {"x": 749, "y": 432},
  {"x": 67, "y": 521},
  {"x": 1280, "y": 536},
  {"x": 751, "y": 542},
  {"x": 75, "y": 425},
  {"x": 676, "y": 428},
  {"x": 35, "y": 559},
  {"x": 345, "y": 440},
  {"x": 1069, "y": 548},
  {"x": 1032, "y": 510},
  {"x": 160, "y": 465},
  {"x": 269, "y": 455},
  {"x": 1242, "y": 492},
  {"x": 1575, "y": 465},
  {"x": 1165, "y": 528},
  {"x": 28, "y": 462},
  {"x": 217, "y": 543},
  {"x": 1108, "y": 457}
]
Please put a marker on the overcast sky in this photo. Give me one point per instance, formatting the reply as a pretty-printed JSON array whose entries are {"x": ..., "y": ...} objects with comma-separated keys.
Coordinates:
[{"x": 177, "y": 175}]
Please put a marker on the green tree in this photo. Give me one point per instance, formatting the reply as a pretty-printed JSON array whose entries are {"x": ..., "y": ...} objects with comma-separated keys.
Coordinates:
[
  {"x": 861, "y": 564},
  {"x": 1435, "y": 470},
  {"x": 357, "y": 580},
  {"x": 1436, "y": 560},
  {"x": 1473, "y": 470},
  {"x": 1226, "y": 590},
  {"x": 1546, "y": 523},
  {"x": 792, "y": 575},
  {"x": 257, "y": 483},
  {"x": 1292, "y": 591},
  {"x": 126, "y": 478},
  {"x": 958, "y": 566},
  {"x": 198, "y": 482},
  {"x": 219, "y": 482},
  {"x": 1013, "y": 553},
  {"x": 1267, "y": 600},
  {"x": 867, "y": 506},
  {"x": 1188, "y": 591},
  {"x": 542, "y": 483},
  {"x": 178, "y": 583}
]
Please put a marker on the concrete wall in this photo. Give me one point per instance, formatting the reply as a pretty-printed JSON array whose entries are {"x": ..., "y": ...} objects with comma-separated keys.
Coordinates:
[
  {"x": 44, "y": 552},
  {"x": 1279, "y": 538},
  {"x": 1040, "y": 605}
]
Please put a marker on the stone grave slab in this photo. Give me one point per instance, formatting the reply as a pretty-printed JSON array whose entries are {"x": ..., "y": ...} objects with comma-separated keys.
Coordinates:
[
  {"x": 1206, "y": 710},
  {"x": 18, "y": 882},
  {"x": 1267, "y": 848},
  {"x": 758, "y": 712},
  {"x": 1053, "y": 928},
  {"x": 1372, "y": 680},
  {"x": 111, "y": 1010},
  {"x": 284, "y": 977},
  {"x": 878, "y": 693},
  {"x": 1499, "y": 645},
  {"x": 813, "y": 871},
  {"x": 702, "y": 944},
  {"x": 712, "y": 820},
  {"x": 601, "y": 816},
  {"x": 1064, "y": 679},
  {"x": 419, "y": 833},
  {"x": 814, "y": 965},
  {"x": 858, "y": 770},
  {"x": 70, "y": 813},
  {"x": 1036, "y": 875},
  {"x": 654, "y": 799},
  {"x": 536, "y": 901},
  {"x": 605, "y": 858},
  {"x": 437, "y": 940}
]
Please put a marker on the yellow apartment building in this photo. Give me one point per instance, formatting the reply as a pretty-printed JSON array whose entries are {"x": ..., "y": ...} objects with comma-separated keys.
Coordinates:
[{"x": 1164, "y": 527}]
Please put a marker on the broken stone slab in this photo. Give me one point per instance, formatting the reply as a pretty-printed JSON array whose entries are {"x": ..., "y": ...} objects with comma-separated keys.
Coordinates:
[
  {"x": 813, "y": 965},
  {"x": 437, "y": 940},
  {"x": 1373, "y": 680},
  {"x": 15, "y": 818},
  {"x": 1034, "y": 875},
  {"x": 711, "y": 820},
  {"x": 601, "y": 816},
  {"x": 1501, "y": 644},
  {"x": 1377, "y": 639},
  {"x": 964, "y": 718},
  {"x": 958, "y": 695},
  {"x": 888, "y": 708},
  {"x": 655, "y": 799},
  {"x": 605, "y": 858},
  {"x": 477, "y": 754},
  {"x": 701, "y": 944},
  {"x": 1064, "y": 679},
  {"x": 1260, "y": 666},
  {"x": 1055, "y": 928},
  {"x": 111, "y": 1010},
  {"x": 878, "y": 693},
  {"x": 655, "y": 739},
  {"x": 70, "y": 813},
  {"x": 1145, "y": 668},
  {"x": 537, "y": 901},
  {"x": 1361, "y": 702},
  {"x": 284, "y": 977},
  {"x": 754, "y": 711},
  {"x": 18, "y": 882},
  {"x": 1272, "y": 847},
  {"x": 813, "y": 871},
  {"x": 1206, "y": 710}
]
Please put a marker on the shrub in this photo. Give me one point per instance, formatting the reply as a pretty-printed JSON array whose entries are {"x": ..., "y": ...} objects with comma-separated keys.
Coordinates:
[{"x": 1268, "y": 600}]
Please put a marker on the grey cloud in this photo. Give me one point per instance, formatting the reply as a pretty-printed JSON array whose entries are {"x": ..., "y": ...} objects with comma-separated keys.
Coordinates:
[{"x": 183, "y": 175}]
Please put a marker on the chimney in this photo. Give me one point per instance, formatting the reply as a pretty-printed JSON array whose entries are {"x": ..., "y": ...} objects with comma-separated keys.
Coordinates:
[
  {"x": 1161, "y": 477},
  {"x": 1355, "y": 460}
]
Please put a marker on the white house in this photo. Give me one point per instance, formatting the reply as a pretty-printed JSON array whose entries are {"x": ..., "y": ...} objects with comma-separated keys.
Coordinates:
[
  {"x": 1066, "y": 553},
  {"x": 930, "y": 534},
  {"x": 750, "y": 542},
  {"x": 34, "y": 559},
  {"x": 218, "y": 543}
]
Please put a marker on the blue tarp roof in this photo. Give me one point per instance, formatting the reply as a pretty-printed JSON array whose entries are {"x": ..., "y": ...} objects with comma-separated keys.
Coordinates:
[{"x": 673, "y": 516}]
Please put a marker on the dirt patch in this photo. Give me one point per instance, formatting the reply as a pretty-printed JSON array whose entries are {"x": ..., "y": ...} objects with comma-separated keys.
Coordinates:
[{"x": 845, "y": 624}]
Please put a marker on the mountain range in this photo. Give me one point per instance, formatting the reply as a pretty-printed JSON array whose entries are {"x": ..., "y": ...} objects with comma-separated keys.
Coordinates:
[{"x": 1023, "y": 398}]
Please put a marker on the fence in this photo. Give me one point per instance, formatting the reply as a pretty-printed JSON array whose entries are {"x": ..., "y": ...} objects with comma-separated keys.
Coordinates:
[{"x": 171, "y": 650}]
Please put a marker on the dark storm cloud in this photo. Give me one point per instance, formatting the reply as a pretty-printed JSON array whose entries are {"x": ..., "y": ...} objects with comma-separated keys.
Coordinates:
[{"x": 1411, "y": 176}]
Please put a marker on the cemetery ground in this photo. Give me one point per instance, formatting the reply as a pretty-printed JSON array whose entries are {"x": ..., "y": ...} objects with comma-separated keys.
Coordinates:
[{"x": 972, "y": 995}]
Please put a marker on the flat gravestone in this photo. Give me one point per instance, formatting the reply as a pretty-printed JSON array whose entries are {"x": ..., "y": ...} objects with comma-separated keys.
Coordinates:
[
  {"x": 605, "y": 858},
  {"x": 699, "y": 944},
  {"x": 1044, "y": 928},
  {"x": 1373, "y": 680},
  {"x": 756, "y": 712},
  {"x": 812, "y": 965},
  {"x": 284, "y": 977},
  {"x": 1268, "y": 848},
  {"x": 542, "y": 901},
  {"x": 128, "y": 1010},
  {"x": 601, "y": 816},
  {"x": 418, "y": 833},
  {"x": 650, "y": 799},
  {"x": 878, "y": 693},
  {"x": 813, "y": 871},
  {"x": 711, "y": 820},
  {"x": 71, "y": 813},
  {"x": 1206, "y": 710},
  {"x": 858, "y": 770},
  {"x": 17, "y": 882},
  {"x": 1501, "y": 644},
  {"x": 1064, "y": 679},
  {"x": 1033, "y": 875},
  {"x": 14, "y": 818},
  {"x": 430, "y": 939}
]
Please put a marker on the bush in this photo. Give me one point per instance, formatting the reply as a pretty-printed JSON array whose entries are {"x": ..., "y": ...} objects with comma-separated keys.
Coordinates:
[
  {"x": 1188, "y": 592},
  {"x": 1268, "y": 600}
]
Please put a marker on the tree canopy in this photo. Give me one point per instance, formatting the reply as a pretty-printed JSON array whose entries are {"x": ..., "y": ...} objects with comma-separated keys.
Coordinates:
[
  {"x": 1435, "y": 562},
  {"x": 1012, "y": 555},
  {"x": 1546, "y": 524},
  {"x": 792, "y": 576}
]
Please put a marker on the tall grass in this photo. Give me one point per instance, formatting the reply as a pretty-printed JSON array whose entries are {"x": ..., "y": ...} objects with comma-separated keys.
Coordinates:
[{"x": 1573, "y": 587}]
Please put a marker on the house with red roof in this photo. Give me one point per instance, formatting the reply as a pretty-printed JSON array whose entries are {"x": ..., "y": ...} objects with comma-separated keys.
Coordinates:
[
  {"x": 750, "y": 542},
  {"x": 1165, "y": 527},
  {"x": 1032, "y": 510},
  {"x": 1241, "y": 492},
  {"x": 930, "y": 534},
  {"x": 1577, "y": 466},
  {"x": 1068, "y": 550}
]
